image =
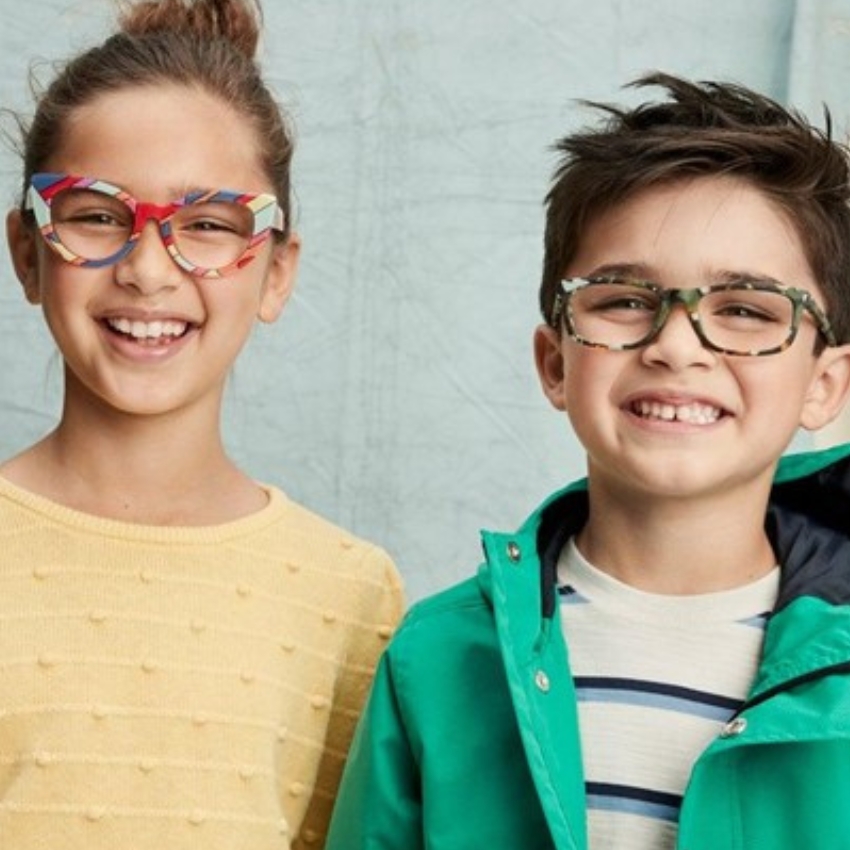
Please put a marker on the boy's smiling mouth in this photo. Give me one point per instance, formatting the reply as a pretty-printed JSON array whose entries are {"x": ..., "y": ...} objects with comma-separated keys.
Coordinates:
[{"x": 693, "y": 413}]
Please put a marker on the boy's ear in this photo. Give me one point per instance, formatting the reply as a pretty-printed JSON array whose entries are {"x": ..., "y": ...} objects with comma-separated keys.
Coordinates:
[
  {"x": 280, "y": 278},
  {"x": 829, "y": 389},
  {"x": 23, "y": 250},
  {"x": 549, "y": 359}
]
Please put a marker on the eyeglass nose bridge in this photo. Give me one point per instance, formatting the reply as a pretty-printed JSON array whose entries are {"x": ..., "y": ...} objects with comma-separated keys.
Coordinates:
[
  {"x": 689, "y": 299},
  {"x": 160, "y": 215}
]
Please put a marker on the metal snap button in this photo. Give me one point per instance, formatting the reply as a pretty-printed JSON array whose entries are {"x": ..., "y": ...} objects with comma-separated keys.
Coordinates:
[
  {"x": 542, "y": 681},
  {"x": 734, "y": 727}
]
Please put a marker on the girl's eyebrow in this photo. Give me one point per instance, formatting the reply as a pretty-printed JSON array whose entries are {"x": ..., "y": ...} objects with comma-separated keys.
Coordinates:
[
  {"x": 173, "y": 192},
  {"x": 191, "y": 189}
]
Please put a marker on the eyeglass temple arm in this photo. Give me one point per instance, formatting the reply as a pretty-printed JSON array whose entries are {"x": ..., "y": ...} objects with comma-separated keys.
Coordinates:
[{"x": 556, "y": 313}]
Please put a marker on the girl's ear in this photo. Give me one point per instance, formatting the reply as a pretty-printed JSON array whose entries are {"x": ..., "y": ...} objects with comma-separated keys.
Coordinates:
[
  {"x": 280, "y": 278},
  {"x": 549, "y": 359},
  {"x": 829, "y": 389},
  {"x": 23, "y": 249}
]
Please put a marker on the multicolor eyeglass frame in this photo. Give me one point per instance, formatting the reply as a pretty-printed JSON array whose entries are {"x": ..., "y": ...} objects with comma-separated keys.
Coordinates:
[{"x": 44, "y": 186}]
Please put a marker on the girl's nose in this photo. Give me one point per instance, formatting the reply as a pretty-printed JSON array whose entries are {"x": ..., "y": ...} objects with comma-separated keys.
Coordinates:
[{"x": 149, "y": 267}]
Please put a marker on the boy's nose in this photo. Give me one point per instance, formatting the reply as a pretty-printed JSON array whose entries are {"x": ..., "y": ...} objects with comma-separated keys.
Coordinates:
[{"x": 677, "y": 344}]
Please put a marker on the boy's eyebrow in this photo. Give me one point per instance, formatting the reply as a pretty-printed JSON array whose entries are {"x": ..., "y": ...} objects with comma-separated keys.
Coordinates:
[
  {"x": 746, "y": 277},
  {"x": 642, "y": 271},
  {"x": 638, "y": 271}
]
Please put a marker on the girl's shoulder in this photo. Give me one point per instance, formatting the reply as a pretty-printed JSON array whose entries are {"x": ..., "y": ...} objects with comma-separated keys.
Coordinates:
[{"x": 321, "y": 542}]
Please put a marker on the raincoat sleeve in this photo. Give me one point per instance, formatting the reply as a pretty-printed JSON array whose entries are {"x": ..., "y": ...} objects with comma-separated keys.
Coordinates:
[{"x": 379, "y": 802}]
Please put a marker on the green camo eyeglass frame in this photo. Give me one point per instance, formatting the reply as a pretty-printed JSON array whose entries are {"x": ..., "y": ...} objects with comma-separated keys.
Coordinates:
[{"x": 801, "y": 300}]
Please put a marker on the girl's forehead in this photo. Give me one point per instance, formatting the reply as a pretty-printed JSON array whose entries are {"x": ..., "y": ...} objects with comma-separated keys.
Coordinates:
[{"x": 161, "y": 140}]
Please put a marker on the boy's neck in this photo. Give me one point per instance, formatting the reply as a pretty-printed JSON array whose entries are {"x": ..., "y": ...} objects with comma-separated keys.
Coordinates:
[{"x": 676, "y": 546}]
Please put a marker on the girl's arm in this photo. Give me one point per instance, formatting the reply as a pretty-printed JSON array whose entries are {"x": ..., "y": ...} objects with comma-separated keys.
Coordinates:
[{"x": 379, "y": 802}]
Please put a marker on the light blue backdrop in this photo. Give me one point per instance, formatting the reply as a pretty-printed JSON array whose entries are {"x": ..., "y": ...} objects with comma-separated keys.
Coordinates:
[{"x": 397, "y": 394}]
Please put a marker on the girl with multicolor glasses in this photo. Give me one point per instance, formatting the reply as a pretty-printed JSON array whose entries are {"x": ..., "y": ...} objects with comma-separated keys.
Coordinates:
[{"x": 183, "y": 651}]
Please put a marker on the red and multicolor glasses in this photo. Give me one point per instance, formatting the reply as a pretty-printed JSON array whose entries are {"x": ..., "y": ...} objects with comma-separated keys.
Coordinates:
[{"x": 209, "y": 233}]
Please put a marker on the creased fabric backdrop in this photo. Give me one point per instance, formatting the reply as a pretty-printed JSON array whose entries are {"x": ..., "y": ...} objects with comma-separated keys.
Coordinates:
[{"x": 397, "y": 394}]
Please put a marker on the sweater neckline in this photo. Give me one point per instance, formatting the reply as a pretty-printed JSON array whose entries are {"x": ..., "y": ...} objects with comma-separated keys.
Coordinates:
[{"x": 62, "y": 515}]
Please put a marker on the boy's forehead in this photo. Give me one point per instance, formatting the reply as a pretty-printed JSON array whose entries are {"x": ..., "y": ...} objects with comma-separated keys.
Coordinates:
[{"x": 704, "y": 227}]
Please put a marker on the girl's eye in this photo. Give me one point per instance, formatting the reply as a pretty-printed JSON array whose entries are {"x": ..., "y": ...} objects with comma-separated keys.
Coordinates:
[
  {"x": 206, "y": 224},
  {"x": 212, "y": 219},
  {"x": 94, "y": 218},
  {"x": 89, "y": 209}
]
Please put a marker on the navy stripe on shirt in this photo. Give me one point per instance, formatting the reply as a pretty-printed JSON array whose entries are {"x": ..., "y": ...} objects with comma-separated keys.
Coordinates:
[
  {"x": 630, "y": 800},
  {"x": 658, "y": 695}
]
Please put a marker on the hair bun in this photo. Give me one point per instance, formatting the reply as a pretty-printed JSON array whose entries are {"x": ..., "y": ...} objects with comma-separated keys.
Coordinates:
[{"x": 236, "y": 21}]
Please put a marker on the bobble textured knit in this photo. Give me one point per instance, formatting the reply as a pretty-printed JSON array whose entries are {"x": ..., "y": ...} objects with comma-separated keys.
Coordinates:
[{"x": 180, "y": 687}]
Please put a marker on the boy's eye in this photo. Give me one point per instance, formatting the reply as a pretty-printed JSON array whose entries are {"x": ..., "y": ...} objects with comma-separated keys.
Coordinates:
[
  {"x": 748, "y": 307},
  {"x": 617, "y": 297},
  {"x": 745, "y": 311},
  {"x": 625, "y": 302}
]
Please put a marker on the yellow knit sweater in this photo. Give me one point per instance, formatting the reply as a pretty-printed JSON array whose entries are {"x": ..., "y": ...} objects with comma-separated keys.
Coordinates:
[{"x": 174, "y": 688}]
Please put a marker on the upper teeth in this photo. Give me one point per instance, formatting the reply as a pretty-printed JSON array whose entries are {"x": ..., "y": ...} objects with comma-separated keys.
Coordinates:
[
  {"x": 148, "y": 330},
  {"x": 698, "y": 414}
]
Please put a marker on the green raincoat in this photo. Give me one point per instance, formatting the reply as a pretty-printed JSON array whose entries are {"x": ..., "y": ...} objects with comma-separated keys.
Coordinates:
[{"x": 470, "y": 738}]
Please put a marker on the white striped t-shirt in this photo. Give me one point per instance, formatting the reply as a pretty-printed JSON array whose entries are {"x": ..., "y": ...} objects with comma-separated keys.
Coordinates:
[{"x": 656, "y": 678}]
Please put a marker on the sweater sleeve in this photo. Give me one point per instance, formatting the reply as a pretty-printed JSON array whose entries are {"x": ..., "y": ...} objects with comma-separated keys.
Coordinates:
[
  {"x": 379, "y": 803},
  {"x": 377, "y": 611}
]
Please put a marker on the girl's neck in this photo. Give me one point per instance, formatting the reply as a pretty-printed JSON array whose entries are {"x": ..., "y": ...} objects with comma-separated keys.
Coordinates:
[
  {"x": 678, "y": 547},
  {"x": 150, "y": 470}
]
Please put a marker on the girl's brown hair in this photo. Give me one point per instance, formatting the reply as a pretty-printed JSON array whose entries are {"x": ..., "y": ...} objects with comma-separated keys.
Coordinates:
[{"x": 208, "y": 44}]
